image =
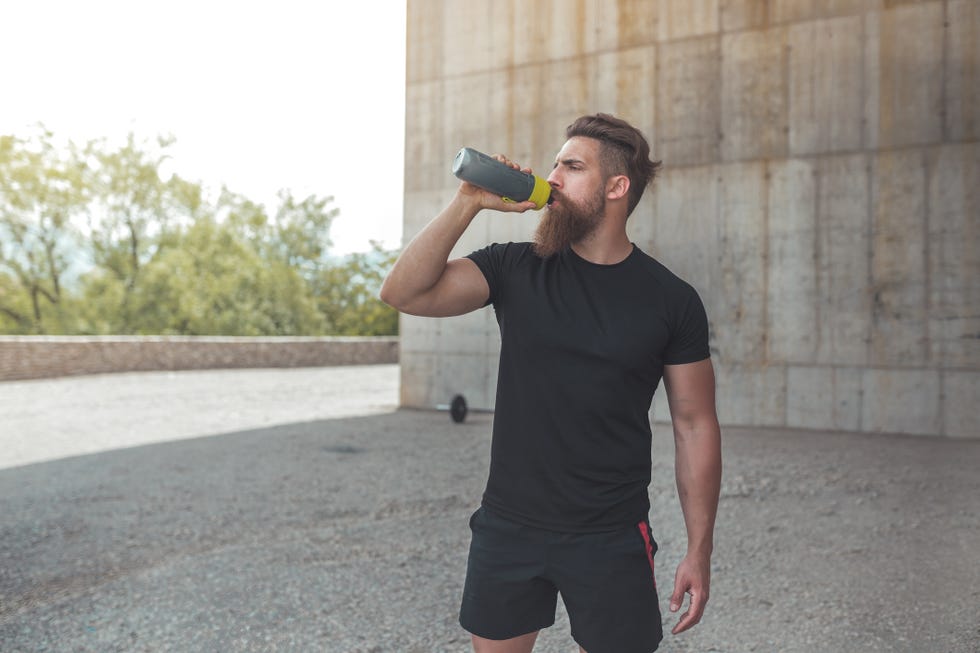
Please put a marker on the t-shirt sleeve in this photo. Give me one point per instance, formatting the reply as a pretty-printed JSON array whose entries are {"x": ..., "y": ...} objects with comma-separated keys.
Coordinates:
[
  {"x": 689, "y": 334},
  {"x": 491, "y": 261}
]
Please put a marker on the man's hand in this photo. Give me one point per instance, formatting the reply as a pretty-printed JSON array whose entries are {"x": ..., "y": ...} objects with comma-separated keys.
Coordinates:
[
  {"x": 484, "y": 199},
  {"x": 693, "y": 577}
]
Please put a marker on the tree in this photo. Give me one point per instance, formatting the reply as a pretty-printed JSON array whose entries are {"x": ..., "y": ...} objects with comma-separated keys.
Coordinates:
[
  {"x": 132, "y": 213},
  {"x": 347, "y": 294},
  {"x": 302, "y": 232},
  {"x": 41, "y": 193},
  {"x": 15, "y": 308},
  {"x": 211, "y": 282},
  {"x": 161, "y": 257}
]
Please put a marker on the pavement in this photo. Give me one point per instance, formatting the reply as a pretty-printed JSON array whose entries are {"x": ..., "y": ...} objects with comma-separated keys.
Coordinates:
[{"x": 299, "y": 510}]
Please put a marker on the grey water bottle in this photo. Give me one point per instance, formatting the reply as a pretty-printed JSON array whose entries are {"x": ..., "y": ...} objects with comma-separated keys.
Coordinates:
[{"x": 500, "y": 179}]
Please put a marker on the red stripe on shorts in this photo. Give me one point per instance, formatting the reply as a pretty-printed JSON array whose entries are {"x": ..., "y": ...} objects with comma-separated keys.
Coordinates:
[{"x": 645, "y": 532}]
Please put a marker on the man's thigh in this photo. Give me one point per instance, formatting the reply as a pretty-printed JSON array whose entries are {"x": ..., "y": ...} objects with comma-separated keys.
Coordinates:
[
  {"x": 505, "y": 594},
  {"x": 607, "y": 583}
]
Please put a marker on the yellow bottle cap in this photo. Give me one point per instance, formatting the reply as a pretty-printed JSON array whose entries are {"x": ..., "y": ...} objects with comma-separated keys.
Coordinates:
[{"x": 540, "y": 193}]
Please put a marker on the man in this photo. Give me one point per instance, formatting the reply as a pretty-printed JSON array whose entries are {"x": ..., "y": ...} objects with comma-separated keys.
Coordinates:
[{"x": 589, "y": 325}]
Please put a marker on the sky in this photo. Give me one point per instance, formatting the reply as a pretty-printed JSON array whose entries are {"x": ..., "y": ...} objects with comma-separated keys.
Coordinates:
[{"x": 260, "y": 96}]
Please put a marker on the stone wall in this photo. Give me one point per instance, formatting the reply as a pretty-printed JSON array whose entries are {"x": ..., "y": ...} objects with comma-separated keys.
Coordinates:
[
  {"x": 821, "y": 186},
  {"x": 33, "y": 357}
]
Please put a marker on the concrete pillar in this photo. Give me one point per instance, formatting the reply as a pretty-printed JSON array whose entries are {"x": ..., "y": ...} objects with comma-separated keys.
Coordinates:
[{"x": 820, "y": 186}]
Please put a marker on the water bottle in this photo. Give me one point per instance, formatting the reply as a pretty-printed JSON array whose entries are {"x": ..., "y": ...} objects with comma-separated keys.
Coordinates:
[{"x": 500, "y": 179}]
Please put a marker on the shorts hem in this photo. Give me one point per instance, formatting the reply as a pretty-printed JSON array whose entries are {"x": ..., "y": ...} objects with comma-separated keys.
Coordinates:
[
  {"x": 500, "y": 636},
  {"x": 653, "y": 647}
]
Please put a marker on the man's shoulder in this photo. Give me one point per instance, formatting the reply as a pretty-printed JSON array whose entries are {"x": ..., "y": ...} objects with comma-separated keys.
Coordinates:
[
  {"x": 503, "y": 252},
  {"x": 661, "y": 274},
  {"x": 519, "y": 247}
]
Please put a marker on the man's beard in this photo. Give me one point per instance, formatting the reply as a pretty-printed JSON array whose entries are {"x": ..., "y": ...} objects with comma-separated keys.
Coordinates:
[{"x": 567, "y": 223}]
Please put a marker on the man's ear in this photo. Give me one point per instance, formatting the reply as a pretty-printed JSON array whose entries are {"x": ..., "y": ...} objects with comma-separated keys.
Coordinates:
[{"x": 617, "y": 187}]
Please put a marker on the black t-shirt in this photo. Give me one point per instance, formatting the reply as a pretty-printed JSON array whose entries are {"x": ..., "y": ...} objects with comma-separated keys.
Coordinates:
[{"x": 582, "y": 350}]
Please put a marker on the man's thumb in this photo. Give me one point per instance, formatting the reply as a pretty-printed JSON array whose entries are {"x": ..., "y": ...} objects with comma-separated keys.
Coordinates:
[{"x": 677, "y": 598}]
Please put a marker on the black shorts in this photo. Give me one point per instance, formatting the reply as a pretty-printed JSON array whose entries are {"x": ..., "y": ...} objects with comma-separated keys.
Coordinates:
[{"x": 606, "y": 581}]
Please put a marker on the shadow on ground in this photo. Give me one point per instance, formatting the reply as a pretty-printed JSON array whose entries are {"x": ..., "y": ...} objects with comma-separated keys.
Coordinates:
[{"x": 350, "y": 535}]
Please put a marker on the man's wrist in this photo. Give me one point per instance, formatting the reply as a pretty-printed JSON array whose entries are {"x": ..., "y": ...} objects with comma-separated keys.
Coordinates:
[
  {"x": 467, "y": 204},
  {"x": 700, "y": 549}
]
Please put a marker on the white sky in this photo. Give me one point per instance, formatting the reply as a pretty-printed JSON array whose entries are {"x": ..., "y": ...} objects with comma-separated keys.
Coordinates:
[{"x": 259, "y": 95}]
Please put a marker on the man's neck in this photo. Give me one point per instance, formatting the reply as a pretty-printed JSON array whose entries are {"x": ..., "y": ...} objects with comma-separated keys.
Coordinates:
[{"x": 604, "y": 247}]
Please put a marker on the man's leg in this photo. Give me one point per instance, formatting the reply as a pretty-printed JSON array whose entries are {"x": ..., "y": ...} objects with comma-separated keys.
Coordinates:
[
  {"x": 506, "y": 600},
  {"x": 522, "y": 644},
  {"x": 608, "y": 586}
]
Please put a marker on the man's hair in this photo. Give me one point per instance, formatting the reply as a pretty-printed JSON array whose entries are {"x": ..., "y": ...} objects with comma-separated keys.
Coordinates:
[{"x": 623, "y": 150}]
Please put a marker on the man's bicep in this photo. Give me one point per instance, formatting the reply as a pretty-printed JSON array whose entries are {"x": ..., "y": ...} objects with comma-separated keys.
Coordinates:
[
  {"x": 462, "y": 288},
  {"x": 690, "y": 390}
]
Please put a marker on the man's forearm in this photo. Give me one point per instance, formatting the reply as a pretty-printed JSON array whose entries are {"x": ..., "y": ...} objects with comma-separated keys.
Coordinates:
[{"x": 698, "y": 471}]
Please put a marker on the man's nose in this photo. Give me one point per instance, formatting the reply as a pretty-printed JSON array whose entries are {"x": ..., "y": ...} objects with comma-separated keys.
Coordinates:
[{"x": 554, "y": 178}]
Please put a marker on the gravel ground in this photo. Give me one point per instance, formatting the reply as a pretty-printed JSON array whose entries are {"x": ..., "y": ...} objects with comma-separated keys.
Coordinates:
[{"x": 297, "y": 510}]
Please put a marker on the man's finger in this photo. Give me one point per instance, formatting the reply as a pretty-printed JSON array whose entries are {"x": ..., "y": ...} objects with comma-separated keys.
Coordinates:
[
  {"x": 698, "y": 601},
  {"x": 684, "y": 623},
  {"x": 693, "y": 614},
  {"x": 677, "y": 598}
]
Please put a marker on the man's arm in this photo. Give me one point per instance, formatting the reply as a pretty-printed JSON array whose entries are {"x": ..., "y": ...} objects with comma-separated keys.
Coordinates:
[
  {"x": 697, "y": 440},
  {"x": 423, "y": 281}
]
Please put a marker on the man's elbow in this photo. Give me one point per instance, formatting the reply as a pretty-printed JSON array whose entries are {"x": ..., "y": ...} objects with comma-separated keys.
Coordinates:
[
  {"x": 696, "y": 425},
  {"x": 398, "y": 298},
  {"x": 390, "y": 296},
  {"x": 385, "y": 294}
]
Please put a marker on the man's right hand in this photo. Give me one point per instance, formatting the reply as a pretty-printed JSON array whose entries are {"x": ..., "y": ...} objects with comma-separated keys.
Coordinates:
[{"x": 484, "y": 199}]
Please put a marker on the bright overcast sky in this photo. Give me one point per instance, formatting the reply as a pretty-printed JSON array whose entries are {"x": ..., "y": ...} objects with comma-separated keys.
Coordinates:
[{"x": 259, "y": 95}]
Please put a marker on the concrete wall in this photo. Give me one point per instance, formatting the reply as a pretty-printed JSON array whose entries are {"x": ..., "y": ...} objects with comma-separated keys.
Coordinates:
[
  {"x": 821, "y": 186},
  {"x": 34, "y": 357}
]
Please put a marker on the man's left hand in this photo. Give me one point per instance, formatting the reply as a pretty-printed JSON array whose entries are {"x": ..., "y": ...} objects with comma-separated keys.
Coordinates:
[{"x": 693, "y": 577}]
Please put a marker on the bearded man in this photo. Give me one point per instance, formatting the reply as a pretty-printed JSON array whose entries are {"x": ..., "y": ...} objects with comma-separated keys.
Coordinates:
[{"x": 589, "y": 326}]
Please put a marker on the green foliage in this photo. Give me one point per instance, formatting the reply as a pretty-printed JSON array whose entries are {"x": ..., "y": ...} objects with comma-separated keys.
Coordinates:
[
  {"x": 213, "y": 283},
  {"x": 347, "y": 295},
  {"x": 130, "y": 204},
  {"x": 15, "y": 307},
  {"x": 40, "y": 195},
  {"x": 133, "y": 215},
  {"x": 163, "y": 259},
  {"x": 302, "y": 235}
]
